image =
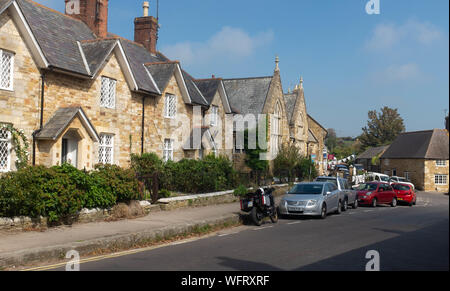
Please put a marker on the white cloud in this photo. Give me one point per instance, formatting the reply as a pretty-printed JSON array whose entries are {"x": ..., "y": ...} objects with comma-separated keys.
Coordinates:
[
  {"x": 230, "y": 43},
  {"x": 402, "y": 72},
  {"x": 386, "y": 36}
]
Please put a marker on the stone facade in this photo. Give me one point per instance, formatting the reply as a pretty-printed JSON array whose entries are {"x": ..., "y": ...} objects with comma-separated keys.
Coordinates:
[
  {"x": 316, "y": 149},
  {"x": 421, "y": 172}
]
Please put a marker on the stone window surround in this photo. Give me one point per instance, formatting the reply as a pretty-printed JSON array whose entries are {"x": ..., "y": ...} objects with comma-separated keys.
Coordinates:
[
  {"x": 6, "y": 143},
  {"x": 170, "y": 106},
  {"x": 11, "y": 80},
  {"x": 103, "y": 147},
  {"x": 106, "y": 83},
  {"x": 440, "y": 179}
]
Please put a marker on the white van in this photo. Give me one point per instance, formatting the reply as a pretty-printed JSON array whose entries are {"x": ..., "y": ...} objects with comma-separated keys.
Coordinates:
[{"x": 377, "y": 177}]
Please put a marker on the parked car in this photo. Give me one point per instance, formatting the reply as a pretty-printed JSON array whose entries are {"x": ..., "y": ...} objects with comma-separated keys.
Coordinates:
[
  {"x": 396, "y": 180},
  {"x": 405, "y": 194},
  {"x": 311, "y": 199},
  {"x": 377, "y": 177},
  {"x": 348, "y": 195},
  {"x": 376, "y": 193}
]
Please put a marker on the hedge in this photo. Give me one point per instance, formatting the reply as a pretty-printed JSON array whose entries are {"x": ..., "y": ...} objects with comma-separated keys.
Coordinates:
[{"x": 61, "y": 192}]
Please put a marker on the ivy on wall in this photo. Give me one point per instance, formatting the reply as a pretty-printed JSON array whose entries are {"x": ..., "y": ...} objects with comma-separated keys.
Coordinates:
[{"x": 19, "y": 143}]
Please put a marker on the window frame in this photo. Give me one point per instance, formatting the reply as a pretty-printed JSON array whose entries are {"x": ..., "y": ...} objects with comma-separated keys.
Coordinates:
[
  {"x": 111, "y": 146},
  {"x": 214, "y": 115},
  {"x": 11, "y": 81},
  {"x": 167, "y": 113},
  {"x": 114, "y": 92},
  {"x": 440, "y": 178},
  {"x": 441, "y": 163},
  {"x": 168, "y": 150},
  {"x": 9, "y": 147}
]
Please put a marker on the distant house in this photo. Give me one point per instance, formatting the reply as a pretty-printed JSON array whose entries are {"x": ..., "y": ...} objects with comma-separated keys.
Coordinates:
[
  {"x": 366, "y": 158},
  {"x": 422, "y": 157}
]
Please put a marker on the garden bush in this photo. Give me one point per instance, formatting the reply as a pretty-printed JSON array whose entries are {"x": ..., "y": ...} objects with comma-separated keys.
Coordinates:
[{"x": 60, "y": 192}]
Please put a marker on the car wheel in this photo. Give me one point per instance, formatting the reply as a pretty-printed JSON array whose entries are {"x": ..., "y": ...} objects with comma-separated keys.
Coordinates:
[
  {"x": 345, "y": 206},
  {"x": 323, "y": 213},
  {"x": 339, "y": 208},
  {"x": 394, "y": 202},
  {"x": 356, "y": 204},
  {"x": 374, "y": 202}
]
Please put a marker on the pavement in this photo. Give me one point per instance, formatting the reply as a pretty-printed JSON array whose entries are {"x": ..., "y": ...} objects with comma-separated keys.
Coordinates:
[{"x": 406, "y": 238}]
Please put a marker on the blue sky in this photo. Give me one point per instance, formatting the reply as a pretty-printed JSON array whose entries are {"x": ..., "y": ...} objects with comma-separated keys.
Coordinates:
[{"x": 351, "y": 62}]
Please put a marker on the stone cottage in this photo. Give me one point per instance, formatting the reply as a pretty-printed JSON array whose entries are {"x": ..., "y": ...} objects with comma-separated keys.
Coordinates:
[
  {"x": 422, "y": 157},
  {"x": 88, "y": 96}
]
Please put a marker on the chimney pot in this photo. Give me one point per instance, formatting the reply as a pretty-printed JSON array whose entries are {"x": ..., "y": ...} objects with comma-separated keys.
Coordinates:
[{"x": 146, "y": 7}]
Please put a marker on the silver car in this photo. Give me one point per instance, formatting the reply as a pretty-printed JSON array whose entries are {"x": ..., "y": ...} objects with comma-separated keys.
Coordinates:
[{"x": 311, "y": 199}]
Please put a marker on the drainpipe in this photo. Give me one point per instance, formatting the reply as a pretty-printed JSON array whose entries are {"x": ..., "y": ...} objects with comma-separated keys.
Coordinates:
[
  {"x": 143, "y": 124},
  {"x": 41, "y": 118}
]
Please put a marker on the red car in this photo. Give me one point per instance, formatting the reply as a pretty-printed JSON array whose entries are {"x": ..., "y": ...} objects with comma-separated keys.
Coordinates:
[
  {"x": 405, "y": 194},
  {"x": 375, "y": 193}
]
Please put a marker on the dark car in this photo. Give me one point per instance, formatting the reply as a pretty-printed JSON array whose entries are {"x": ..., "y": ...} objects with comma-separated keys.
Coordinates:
[{"x": 376, "y": 193}]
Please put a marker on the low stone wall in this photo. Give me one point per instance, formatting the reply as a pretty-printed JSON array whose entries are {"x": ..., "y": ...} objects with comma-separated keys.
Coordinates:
[{"x": 166, "y": 204}]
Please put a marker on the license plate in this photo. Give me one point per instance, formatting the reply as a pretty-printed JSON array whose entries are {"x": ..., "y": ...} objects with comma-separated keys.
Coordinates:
[
  {"x": 250, "y": 204},
  {"x": 295, "y": 209},
  {"x": 400, "y": 199}
]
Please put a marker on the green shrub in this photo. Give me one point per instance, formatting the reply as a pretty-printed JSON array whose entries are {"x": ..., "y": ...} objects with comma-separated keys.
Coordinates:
[
  {"x": 122, "y": 183},
  {"x": 165, "y": 193},
  {"x": 55, "y": 193},
  {"x": 241, "y": 191}
]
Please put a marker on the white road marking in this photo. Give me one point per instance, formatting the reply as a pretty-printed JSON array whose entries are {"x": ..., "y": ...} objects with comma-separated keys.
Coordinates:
[
  {"x": 292, "y": 223},
  {"x": 262, "y": 228}
]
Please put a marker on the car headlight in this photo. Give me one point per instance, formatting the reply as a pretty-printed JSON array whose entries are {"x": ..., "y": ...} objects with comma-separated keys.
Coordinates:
[{"x": 312, "y": 203}]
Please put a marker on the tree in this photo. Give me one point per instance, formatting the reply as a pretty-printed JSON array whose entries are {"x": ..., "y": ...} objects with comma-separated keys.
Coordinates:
[
  {"x": 331, "y": 141},
  {"x": 253, "y": 157},
  {"x": 382, "y": 128},
  {"x": 286, "y": 162}
]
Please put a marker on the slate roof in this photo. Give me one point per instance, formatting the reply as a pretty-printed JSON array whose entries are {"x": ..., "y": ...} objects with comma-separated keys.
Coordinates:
[
  {"x": 60, "y": 121},
  {"x": 96, "y": 52},
  {"x": 196, "y": 96},
  {"x": 248, "y": 96},
  {"x": 162, "y": 72},
  {"x": 372, "y": 152},
  {"x": 208, "y": 87},
  {"x": 59, "y": 36},
  {"x": 431, "y": 144},
  {"x": 290, "y": 100}
]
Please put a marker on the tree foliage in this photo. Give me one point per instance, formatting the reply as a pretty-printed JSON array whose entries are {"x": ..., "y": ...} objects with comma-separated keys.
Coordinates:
[{"x": 382, "y": 128}]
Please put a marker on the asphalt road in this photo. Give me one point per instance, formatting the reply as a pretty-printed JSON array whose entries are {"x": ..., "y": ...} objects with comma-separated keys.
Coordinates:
[{"x": 407, "y": 238}]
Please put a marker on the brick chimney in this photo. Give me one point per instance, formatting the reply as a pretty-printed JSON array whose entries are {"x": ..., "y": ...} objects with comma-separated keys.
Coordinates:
[
  {"x": 92, "y": 12},
  {"x": 146, "y": 30}
]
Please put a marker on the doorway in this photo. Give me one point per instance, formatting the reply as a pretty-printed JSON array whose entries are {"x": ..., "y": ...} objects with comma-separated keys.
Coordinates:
[{"x": 69, "y": 150}]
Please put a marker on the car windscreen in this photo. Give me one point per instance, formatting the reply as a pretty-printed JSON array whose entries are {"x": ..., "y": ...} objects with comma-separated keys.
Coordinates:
[
  {"x": 402, "y": 180},
  {"x": 334, "y": 181},
  {"x": 384, "y": 178},
  {"x": 367, "y": 187},
  {"x": 307, "y": 189},
  {"x": 401, "y": 187}
]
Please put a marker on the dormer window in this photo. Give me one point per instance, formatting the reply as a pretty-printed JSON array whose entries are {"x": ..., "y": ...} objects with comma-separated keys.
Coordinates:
[
  {"x": 108, "y": 93},
  {"x": 170, "y": 106},
  {"x": 6, "y": 70}
]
